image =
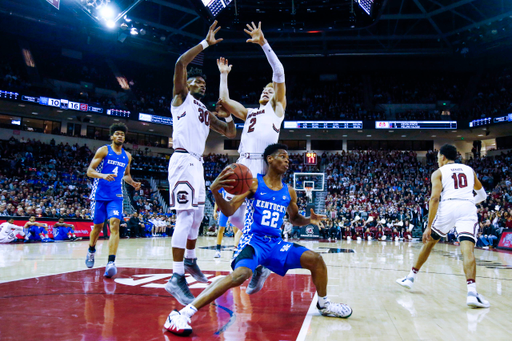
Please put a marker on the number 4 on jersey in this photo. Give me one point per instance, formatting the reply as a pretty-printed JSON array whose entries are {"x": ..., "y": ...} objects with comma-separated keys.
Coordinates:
[{"x": 115, "y": 171}]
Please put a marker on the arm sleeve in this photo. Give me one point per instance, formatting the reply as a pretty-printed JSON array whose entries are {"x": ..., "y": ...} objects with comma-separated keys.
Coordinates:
[
  {"x": 480, "y": 195},
  {"x": 277, "y": 67}
]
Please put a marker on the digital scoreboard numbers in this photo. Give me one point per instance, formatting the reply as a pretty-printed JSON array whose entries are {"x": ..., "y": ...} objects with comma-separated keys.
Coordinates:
[
  {"x": 323, "y": 125},
  {"x": 155, "y": 119},
  {"x": 310, "y": 158},
  {"x": 9, "y": 95},
  {"x": 415, "y": 124}
]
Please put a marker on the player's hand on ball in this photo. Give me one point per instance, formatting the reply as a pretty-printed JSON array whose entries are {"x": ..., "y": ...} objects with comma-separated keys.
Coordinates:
[
  {"x": 256, "y": 34},
  {"x": 109, "y": 177},
  {"x": 222, "y": 180},
  {"x": 223, "y": 65},
  {"x": 427, "y": 235},
  {"x": 210, "y": 37},
  {"x": 316, "y": 219}
]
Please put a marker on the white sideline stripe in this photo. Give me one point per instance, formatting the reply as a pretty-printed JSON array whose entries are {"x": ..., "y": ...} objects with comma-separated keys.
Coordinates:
[
  {"x": 58, "y": 273},
  {"x": 307, "y": 321}
]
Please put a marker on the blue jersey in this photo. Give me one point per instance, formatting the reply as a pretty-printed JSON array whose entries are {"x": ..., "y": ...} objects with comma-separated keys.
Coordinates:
[
  {"x": 35, "y": 231},
  {"x": 62, "y": 233},
  {"x": 113, "y": 163},
  {"x": 266, "y": 210}
]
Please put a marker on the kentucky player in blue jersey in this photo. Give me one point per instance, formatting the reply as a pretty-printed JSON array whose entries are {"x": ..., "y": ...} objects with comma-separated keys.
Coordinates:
[
  {"x": 223, "y": 221},
  {"x": 269, "y": 199},
  {"x": 110, "y": 166},
  {"x": 64, "y": 231}
]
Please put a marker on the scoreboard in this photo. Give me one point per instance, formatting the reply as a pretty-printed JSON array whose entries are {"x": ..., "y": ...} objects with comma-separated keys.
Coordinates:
[
  {"x": 323, "y": 125},
  {"x": 415, "y": 124},
  {"x": 62, "y": 104}
]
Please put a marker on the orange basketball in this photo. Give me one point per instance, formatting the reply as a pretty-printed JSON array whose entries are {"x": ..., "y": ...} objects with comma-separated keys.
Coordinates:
[{"x": 243, "y": 177}]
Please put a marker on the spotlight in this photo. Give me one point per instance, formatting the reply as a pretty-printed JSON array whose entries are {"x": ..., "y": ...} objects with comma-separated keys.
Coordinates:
[
  {"x": 142, "y": 32},
  {"x": 134, "y": 31},
  {"x": 107, "y": 12},
  {"x": 124, "y": 27},
  {"x": 127, "y": 19},
  {"x": 111, "y": 24}
]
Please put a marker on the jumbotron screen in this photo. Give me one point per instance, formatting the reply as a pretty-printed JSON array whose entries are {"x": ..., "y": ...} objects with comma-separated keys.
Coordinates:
[{"x": 215, "y": 6}]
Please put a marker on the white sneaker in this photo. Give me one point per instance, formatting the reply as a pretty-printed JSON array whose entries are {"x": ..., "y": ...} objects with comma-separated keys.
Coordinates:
[
  {"x": 217, "y": 254},
  {"x": 178, "y": 324},
  {"x": 406, "y": 282},
  {"x": 475, "y": 300},
  {"x": 335, "y": 310}
]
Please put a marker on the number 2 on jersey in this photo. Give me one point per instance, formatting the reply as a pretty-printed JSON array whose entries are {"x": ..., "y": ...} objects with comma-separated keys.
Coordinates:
[
  {"x": 251, "y": 127},
  {"x": 459, "y": 180},
  {"x": 266, "y": 217}
]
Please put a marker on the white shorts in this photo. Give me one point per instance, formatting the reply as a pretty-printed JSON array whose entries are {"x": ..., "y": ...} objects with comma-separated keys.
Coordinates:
[
  {"x": 256, "y": 166},
  {"x": 460, "y": 214},
  {"x": 186, "y": 182}
]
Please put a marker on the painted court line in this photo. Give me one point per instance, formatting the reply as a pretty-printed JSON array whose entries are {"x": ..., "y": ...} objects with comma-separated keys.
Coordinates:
[{"x": 307, "y": 321}]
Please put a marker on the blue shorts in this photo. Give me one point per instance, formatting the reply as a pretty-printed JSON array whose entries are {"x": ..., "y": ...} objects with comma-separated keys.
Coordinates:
[
  {"x": 103, "y": 210},
  {"x": 223, "y": 220},
  {"x": 272, "y": 252}
]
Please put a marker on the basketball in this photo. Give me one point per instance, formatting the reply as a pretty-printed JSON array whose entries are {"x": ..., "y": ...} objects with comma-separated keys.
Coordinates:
[{"x": 243, "y": 177}]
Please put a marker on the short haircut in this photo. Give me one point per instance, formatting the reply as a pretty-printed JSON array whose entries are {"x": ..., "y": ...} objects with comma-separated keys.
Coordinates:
[
  {"x": 193, "y": 73},
  {"x": 449, "y": 151},
  {"x": 10, "y": 218},
  {"x": 271, "y": 149},
  {"x": 118, "y": 127}
]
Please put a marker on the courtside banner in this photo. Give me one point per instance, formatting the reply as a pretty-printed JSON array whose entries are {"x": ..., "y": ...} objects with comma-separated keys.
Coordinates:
[
  {"x": 82, "y": 228},
  {"x": 506, "y": 240}
]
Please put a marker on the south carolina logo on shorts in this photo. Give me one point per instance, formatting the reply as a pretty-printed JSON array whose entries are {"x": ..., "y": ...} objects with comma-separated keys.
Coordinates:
[{"x": 182, "y": 197}]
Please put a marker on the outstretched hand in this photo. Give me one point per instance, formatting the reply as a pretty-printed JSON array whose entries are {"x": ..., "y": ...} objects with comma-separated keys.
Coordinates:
[
  {"x": 222, "y": 180},
  {"x": 210, "y": 37},
  {"x": 256, "y": 34},
  {"x": 220, "y": 111},
  {"x": 316, "y": 219},
  {"x": 223, "y": 65}
]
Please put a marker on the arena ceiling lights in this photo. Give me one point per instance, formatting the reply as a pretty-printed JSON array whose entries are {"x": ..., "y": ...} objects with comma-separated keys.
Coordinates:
[{"x": 108, "y": 12}]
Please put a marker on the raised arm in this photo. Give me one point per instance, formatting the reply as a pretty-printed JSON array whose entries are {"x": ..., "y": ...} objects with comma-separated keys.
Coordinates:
[
  {"x": 228, "y": 208},
  {"x": 227, "y": 128},
  {"x": 293, "y": 212},
  {"x": 257, "y": 37},
  {"x": 227, "y": 103},
  {"x": 433, "y": 204},
  {"x": 180, "y": 89},
  {"x": 101, "y": 153},
  {"x": 479, "y": 189},
  {"x": 128, "y": 177}
]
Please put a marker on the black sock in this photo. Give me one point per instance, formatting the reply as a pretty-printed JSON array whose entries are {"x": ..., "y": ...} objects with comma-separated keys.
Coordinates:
[
  {"x": 92, "y": 248},
  {"x": 218, "y": 247},
  {"x": 111, "y": 258}
]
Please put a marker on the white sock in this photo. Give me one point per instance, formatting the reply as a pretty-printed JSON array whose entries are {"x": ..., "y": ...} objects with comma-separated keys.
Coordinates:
[
  {"x": 188, "y": 311},
  {"x": 472, "y": 288},
  {"x": 322, "y": 301},
  {"x": 178, "y": 267},
  {"x": 190, "y": 254}
]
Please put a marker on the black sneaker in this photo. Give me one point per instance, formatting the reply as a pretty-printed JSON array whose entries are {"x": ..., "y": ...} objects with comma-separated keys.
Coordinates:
[
  {"x": 177, "y": 286},
  {"x": 192, "y": 268}
]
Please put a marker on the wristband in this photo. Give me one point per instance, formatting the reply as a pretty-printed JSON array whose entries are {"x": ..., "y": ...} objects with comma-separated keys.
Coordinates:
[
  {"x": 228, "y": 119},
  {"x": 205, "y": 44}
]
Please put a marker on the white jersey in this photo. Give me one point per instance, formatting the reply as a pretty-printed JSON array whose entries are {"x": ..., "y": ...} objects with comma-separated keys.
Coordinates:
[
  {"x": 458, "y": 181},
  {"x": 191, "y": 125},
  {"x": 6, "y": 231},
  {"x": 261, "y": 128}
]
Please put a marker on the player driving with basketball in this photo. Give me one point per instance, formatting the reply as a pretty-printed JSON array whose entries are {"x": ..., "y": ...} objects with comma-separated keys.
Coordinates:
[
  {"x": 452, "y": 205},
  {"x": 261, "y": 128},
  {"x": 268, "y": 201}
]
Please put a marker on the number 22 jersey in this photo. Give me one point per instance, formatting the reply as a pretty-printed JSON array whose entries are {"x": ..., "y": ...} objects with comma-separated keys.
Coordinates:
[
  {"x": 266, "y": 210},
  {"x": 113, "y": 163}
]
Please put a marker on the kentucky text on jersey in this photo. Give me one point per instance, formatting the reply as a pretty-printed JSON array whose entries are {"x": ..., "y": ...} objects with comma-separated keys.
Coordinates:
[
  {"x": 116, "y": 163},
  {"x": 271, "y": 206},
  {"x": 113, "y": 163}
]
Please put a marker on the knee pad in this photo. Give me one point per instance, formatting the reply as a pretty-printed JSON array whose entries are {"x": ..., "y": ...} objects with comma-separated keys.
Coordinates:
[
  {"x": 198, "y": 215},
  {"x": 184, "y": 222}
]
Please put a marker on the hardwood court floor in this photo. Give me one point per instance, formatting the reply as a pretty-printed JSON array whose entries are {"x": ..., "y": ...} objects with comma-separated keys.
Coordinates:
[{"x": 46, "y": 287}]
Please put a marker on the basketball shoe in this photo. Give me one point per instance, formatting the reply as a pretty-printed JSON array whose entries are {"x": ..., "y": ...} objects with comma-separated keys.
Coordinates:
[
  {"x": 475, "y": 300},
  {"x": 178, "y": 324},
  {"x": 89, "y": 260},
  {"x": 217, "y": 254},
  {"x": 258, "y": 279},
  {"x": 110, "y": 270},
  {"x": 177, "y": 286},
  {"x": 192, "y": 268},
  {"x": 406, "y": 282},
  {"x": 335, "y": 310}
]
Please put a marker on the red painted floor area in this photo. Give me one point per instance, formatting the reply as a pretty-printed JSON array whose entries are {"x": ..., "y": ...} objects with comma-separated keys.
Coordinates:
[{"x": 85, "y": 306}]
